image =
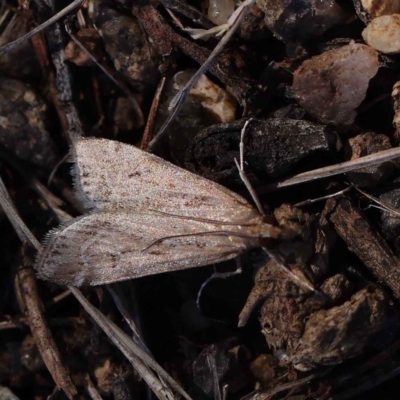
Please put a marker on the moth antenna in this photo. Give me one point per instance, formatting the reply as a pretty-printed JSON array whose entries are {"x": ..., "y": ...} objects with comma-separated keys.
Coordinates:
[
  {"x": 226, "y": 233},
  {"x": 206, "y": 220}
]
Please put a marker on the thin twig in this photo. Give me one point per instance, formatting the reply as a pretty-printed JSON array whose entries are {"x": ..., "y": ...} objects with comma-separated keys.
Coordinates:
[
  {"x": 63, "y": 76},
  {"x": 12, "y": 45},
  {"x": 328, "y": 196},
  {"x": 34, "y": 307},
  {"x": 342, "y": 168},
  {"x": 179, "y": 99},
  {"x": 151, "y": 119},
  {"x": 108, "y": 72}
]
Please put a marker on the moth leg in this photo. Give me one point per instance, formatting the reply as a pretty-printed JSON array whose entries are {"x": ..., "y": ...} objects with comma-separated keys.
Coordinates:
[
  {"x": 242, "y": 172},
  {"x": 219, "y": 275}
]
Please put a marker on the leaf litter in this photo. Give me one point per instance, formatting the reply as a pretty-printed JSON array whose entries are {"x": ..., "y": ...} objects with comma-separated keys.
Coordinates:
[{"x": 313, "y": 88}]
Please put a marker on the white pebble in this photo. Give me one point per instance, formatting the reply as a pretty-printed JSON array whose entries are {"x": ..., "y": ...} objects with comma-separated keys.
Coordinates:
[
  {"x": 383, "y": 34},
  {"x": 376, "y": 8}
]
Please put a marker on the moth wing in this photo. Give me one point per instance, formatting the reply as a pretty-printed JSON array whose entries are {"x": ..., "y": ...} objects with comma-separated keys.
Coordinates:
[
  {"x": 110, "y": 175},
  {"x": 107, "y": 247}
]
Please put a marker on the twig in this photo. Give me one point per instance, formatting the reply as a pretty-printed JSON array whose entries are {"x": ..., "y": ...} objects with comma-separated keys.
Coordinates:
[
  {"x": 320, "y": 173},
  {"x": 328, "y": 196},
  {"x": 264, "y": 394},
  {"x": 63, "y": 76},
  {"x": 151, "y": 119},
  {"x": 368, "y": 244},
  {"x": 34, "y": 307},
  {"x": 134, "y": 353},
  {"x": 188, "y": 11},
  {"x": 42, "y": 334},
  {"x": 12, "y": 45},
  {"x": 179, "y": 99},
  {"x": 108, "y": 72}
]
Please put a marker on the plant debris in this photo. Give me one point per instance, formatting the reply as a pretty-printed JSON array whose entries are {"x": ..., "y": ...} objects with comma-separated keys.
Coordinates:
[{"x": 296, "y": 108}]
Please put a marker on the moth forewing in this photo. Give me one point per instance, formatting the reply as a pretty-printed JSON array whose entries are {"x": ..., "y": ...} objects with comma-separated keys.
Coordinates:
[
  {"x": 110, "y": 175},
  {"x": 149, "y": 217},
  {"x": 107, "y": 247}
]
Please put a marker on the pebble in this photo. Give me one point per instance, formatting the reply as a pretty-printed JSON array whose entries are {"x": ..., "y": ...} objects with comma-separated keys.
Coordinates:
[
  {"x": 376, "y": 8},
  {"x": 332, "y": 85},
  {"x": 383, "y": 34}
]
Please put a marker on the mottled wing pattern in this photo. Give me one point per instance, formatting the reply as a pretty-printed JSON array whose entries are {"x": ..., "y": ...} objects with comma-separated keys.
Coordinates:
[
  {"x": 107, "y": 247},
  {"x": 114, "y": 176}
]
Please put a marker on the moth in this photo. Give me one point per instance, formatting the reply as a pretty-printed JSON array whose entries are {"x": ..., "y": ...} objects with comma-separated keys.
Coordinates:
[{"x": 147, "y": 216}]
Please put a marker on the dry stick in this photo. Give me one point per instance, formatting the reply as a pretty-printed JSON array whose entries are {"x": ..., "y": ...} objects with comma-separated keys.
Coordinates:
[
  {"x": 63, "y": 77},
  {"x": 120, "y": 84},
  {"x": 42, "y": 333},
  {"x": 34, "y": 307},
  {"x": 179, "y": 99},
  {"x": 189, "y": 12},
  {"x": 40, "y": 48},
  {"x": 151, "y": 120},
  {"x": 366, "y": 243},
  {"x": 91, "y": 389},
  {"x": 140, "y": 359},
  {"x": 125, "y": 342},
  {"x": 264, "y": 394},
  {"x": 167, "y": 41},
  {"x": 127, "y": 317},
  {"x": 328, "y": 196},
  {"x": 12, "y": 45},
  {"x": 320, "y": 173}
]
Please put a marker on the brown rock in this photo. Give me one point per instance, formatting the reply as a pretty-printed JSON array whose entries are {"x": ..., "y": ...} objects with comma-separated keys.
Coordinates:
[{"x": 332, "y": 85}]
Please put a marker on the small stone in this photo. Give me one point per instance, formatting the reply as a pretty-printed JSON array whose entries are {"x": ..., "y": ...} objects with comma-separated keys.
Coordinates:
[
  {"x": 263, "y": 368},
  {"x": 383, "y": 34},
  {"x": 207, "y": 104},
  {"x": 332, "y": 85},
  {"x": 91, "y": 41},
  {"x": 295, "y": 22},
  {"x": 364, "y": 145},
  {"x": 339, "y": 333},
  {"x": 273, "y": 148},
  {"x": 215, "y": 100},
  {"x": 133, "y": 55},
  {"x": 219, "y": 11},
  {"x": 23, "y": 123},
  {"x": 376, "y": 8}
]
